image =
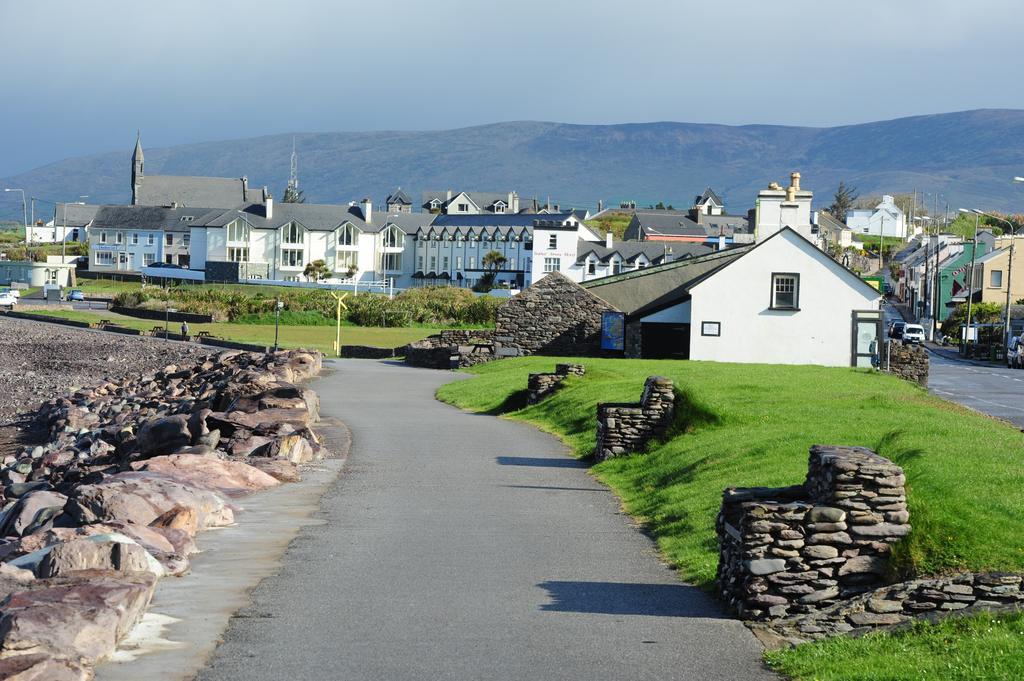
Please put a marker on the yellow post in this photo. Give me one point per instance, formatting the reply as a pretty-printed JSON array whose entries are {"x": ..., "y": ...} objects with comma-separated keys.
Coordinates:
[{"x": 337, "y": 335}]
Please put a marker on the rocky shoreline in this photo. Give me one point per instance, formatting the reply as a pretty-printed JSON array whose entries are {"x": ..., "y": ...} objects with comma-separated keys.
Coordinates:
[{"x": 128, "y": 473}]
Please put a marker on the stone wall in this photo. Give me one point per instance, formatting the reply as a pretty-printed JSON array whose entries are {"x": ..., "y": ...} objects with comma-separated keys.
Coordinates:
[
  {"x": 899, "y": 603},
  {"x": 369, "y": 352},
  {"x": 909, "y": 362},
  {"x": 554, "y": 316},
  {"x": 542, "y": 385},
  {"x": 795, "y": 550},
  {"x": 451, "y": 349},
  {"x": 625, "y": 428}
]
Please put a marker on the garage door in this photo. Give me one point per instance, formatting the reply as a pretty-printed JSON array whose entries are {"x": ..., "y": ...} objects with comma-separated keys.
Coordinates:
[{"x": 665, "y": 341}]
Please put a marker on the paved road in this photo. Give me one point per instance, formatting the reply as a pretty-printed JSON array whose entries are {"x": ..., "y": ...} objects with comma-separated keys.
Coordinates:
[{"x": 459, "y": 546}]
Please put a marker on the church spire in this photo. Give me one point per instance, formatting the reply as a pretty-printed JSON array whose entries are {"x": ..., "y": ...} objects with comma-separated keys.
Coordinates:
[{"x": 137, "y": 163}]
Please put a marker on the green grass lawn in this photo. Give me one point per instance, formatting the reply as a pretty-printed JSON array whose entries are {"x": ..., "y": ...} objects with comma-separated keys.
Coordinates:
[
  {"x": 319, "y": 337},
  {"x": 751, "y": 425},
  {"x": 960, "y": 649}
]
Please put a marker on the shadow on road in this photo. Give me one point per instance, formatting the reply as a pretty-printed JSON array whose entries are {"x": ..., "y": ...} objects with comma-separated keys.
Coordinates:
[
  {"x": 538, "y": 461},
  {"x": 619, "y": 598}
]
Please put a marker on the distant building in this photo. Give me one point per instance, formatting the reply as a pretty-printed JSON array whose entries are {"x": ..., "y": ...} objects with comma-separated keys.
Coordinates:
[
  {"x": 470, "y": 203},
  {"x": 398, "y": 202},
  {"x": 70, "y": 223},
  {"x": 886, "y": 219}
]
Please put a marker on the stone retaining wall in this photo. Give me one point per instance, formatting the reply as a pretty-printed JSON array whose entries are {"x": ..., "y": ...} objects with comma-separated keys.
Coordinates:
[
  {"x": 625, "y": 428},
  {"x": 909, "y": 362},
  {"x": 542, "y": 385},
  {"x": 795, "y": 550},
  {"x": 897, "y": 604},
  {"x": 452, "y": 349},
  {"x": 369, "y": 352}
]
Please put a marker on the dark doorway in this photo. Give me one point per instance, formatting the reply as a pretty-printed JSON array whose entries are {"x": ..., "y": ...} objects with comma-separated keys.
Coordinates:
[{"x": 665, "y": 341}]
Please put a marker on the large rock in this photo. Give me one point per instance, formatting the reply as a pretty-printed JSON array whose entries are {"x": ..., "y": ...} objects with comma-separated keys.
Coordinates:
[
  {"x": 164, "y": 435},
  {"x": 42, "y": 667},
  {"x": 228, "y": 477},
  {"x": 140, "y": 497},
  {"x": 62, "y": 560},
  {"x": 279, "y": 469},
  {"x": 267, "y": 420},
  {"x": 81, "y": 618},
  {"x": 281, "y": 396},
  {"x": 294, "y": 448},
  {"x": 32, "y": 512}
]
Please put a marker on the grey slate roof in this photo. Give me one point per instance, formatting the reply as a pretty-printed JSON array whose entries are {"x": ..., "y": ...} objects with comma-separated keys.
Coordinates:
[
  {"x": 127, "y": 218},
  {"x": 709, "y": 194},
  {"x": 318, "y": 217},
  {"x": 76, "y": 215},
  {"x": 186, "y": 190},
  {"x": 399, "y": 197},
  {"x": 724, "y": 225},
  {"x": 666, "y": 223},
  {"x": 629, "y": 251},
  {"x": 483, "y": 200}
]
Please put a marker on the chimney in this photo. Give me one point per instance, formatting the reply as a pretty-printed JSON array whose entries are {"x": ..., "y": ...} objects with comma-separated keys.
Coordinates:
[
  {"x": 449, "y": 194},
  {"x": 608, "y": 240},
  {"x": 794, "y": 180},
  {"x": 367, "y": 210},
  {"x": 600, "y": 205},
  {"x": 269, "y": 206}
]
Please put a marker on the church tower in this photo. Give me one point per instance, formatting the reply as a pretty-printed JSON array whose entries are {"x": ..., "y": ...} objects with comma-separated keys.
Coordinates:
[{"x": 137, "y": 162}]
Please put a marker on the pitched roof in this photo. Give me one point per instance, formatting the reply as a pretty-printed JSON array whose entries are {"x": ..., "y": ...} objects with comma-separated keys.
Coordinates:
[
  {"x": 827, "y": 221},
  {"x": 399, "y": 197},
  {"x": 482, "y": 200},
  {"x": 629, "y": 251},
  {"x": 187, "y": 190},
  {"x": 667, "y": 223},
  {"x": 319, "y": 217},
  {"x": 150, "y": 218},
  {"x": 74, "y": 214},
  {"x": 709, "y": 194},
  {"x": 487, "y": 220}
]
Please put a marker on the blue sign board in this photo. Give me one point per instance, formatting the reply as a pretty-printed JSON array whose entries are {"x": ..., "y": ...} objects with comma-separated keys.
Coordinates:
[{"x": 613, "y": 330}]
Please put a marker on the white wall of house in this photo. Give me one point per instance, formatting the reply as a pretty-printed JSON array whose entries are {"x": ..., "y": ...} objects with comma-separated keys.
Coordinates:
[
  {"x": 677, "y": 314},
  {"x": 886, "y": 218},
  {"x": 739, "y": 298},
  {"x": 124, "y": 250}
]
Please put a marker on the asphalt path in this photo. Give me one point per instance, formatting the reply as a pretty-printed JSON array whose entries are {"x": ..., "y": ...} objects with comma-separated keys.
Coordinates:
[{"x": 461, "y": 546}]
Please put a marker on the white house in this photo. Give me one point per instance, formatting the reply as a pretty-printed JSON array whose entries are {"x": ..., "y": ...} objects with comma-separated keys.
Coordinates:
[
  {"x": 70, "y": 223},
  {"x": 782, "y": 301},
  {"x": 886, "y": 219},
  {"x": 777, "y": 208}
]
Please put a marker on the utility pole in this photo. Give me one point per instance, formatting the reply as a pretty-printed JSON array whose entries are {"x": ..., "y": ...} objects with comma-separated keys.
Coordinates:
[{"x": 970, "y": 283}]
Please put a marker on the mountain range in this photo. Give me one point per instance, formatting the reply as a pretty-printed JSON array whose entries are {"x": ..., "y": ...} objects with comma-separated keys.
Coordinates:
[{"x": 965, "y": 158}]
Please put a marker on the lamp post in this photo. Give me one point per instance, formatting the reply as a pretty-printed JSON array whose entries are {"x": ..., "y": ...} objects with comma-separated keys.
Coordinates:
[
  {"x": 64, "y": 230},
  {"x": 24, "y": 212},
  {"x": 970, "y": 281},
  {"x": 277, "y": 319},
  {"x": 1009, "y": 271}
]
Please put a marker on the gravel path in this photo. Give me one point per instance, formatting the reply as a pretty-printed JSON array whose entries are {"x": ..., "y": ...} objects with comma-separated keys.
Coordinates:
[
  {"x": 460, "y": 546},
  {"x": 39, "y": 361}
]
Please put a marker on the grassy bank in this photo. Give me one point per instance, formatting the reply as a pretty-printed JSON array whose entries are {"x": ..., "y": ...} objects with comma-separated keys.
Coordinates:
[
  {"x": 291, "y": 336},
  {"x": 750, "y": 425},
  {"x": 753, "y": 424}
]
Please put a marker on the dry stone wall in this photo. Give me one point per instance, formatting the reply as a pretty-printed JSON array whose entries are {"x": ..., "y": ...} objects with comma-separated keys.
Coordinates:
[
  {"x": 554, "y": 316},
  {"x": 909, "y": 362},
  {"x": 542, "y": 385},
  {"x": 452, "y": 349},
  {"x": 625, "y": 428},
  {"x": 796, "y": 550}
]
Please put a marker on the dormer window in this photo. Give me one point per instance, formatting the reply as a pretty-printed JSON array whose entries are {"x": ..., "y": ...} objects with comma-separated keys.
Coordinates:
[
  {"x": 393, "y": 237},
  {"x": 292, "y": 233},
  {"x": 238, "y": 231},
  {"x": 347, "y": 235},
  {"x": 463, "y": 207}
]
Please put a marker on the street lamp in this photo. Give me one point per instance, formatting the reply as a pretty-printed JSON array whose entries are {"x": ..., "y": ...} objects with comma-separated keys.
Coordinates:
[
  {"x": 24, "y": 212},
  {"x": 1009, "y": 271},
  {"x": 970, "y": 280},
  {"x": 277, "y": 319}
]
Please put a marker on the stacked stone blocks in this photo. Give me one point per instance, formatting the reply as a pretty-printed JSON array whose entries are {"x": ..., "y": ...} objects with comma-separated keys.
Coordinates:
[
  {"x": 540, "y": 386},
  {"x": 909, "y": 362},
  {"x": 452, "y": 349},
  {"x": 796, "y": 550},
  {"x": 627, "y": 427}
]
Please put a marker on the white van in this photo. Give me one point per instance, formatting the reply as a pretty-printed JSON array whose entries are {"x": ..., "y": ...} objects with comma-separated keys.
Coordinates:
[{"x": 913, "y": 334}]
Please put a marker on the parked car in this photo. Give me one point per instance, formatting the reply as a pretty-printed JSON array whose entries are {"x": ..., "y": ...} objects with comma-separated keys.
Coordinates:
[
  {"x": 887, "y": 289},
  {"x": 165, "y": 265},
  {"x": 913, "y": 334},
  {"x": 1013, "y": 353},
  {"x": 75, "y": 294},
  {"x": 12, "y": 291},
  {"x": 896, "y": 330},
  {"x": 8, "y": 300}
]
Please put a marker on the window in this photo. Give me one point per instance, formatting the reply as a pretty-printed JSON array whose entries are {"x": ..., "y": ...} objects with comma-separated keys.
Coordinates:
[
  {"x": 711, "y": 328},
  {"x": 169, "y": 239},
  {"x": 616, "y": 266},
  {"x": 392, "y": 262},
  {"x": 122, "y": 258},
  {"x": 104, "y": 258},
  {"x": 458, "y": 262},
  {"x": 238, "y": 231},
  {"x": 552, "y": 242},
  {"x": 292, "y": 233},
  {"x": 347, "y": 235},
  {"x": 512, "y": 263},
  {"x": 393, "y": 237},
  {"x": 433, "y": 263},
  {"x": 444, "y": 264},
  {"x": 551, "y": 264},
  {"x": 499, "y": 207},
  {"x": 183, "y": 259},
  {"x": 995, "y": 279},
  {"x": 419, "y": 263},
  {"x": 148, "y": 259},
  {"x": 150, "y": 238},
  {"x": 463, "y": 207},
  {"x": 119, "y": 237},
  {"x": 347, "y": 260},
  {"x": 103, "y": 237},
  {"x": 186, "y": 239},
  {"x": 785, "y": 291},
  {"x": 472, "y": 262},
  {"x": 135, "y": 238},
  {"x": 169, "y": 259},
  {"x": 591, "y": 267},
  {"x": 238, "y": 254},
  {"x": 291, "y": 257}
]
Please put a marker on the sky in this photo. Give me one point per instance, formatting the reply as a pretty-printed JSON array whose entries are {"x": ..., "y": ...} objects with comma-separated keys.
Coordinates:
[{"x": 81, "y": 76}]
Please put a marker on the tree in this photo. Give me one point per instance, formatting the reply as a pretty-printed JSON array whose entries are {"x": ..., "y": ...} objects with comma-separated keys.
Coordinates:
[
  {"x": 316, "y": 271},
  {"x": 494, "y": 260},
  {"x": 292, "y": 195},
  {"x": 843, "y": 201}
]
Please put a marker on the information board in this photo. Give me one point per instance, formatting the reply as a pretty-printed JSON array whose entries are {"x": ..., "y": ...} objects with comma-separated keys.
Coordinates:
[{"x": 613, "y": 330}]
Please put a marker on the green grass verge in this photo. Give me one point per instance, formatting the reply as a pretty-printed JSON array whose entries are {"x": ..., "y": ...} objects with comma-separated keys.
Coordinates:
[
  {"x": 960, "y": 649},
  {"x": 303, "y": 336},
  {"x": 752, "y": 425}
]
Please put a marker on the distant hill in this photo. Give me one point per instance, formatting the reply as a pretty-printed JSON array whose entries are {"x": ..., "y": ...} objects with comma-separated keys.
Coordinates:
[{"x": 968, "y": 157}]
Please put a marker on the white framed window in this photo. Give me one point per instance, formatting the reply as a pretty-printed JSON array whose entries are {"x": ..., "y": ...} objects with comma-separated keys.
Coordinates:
[
  {"x": 419, "y": 263},
  {"x": 472, "y": 262},
  {"x": 238, "y": 231},
  {"x": 347, "y": 235},
  {"x": 463, "y": 207},
  {"x": 104, "y": 258},
  {"x": 552, "y": 241},
  {"x": 551, "y": 264},
  {"x": 785, "y": 291},
  {"x": 148, "y": 259},
  {"x": 616, "y": 266},
  {"x": 591, "y": 266},
  {"x": 444, "y": 264},
  {"x": 119, "y": 237},
  {"x": 392, "y": 262},
  {"x": 291, "y": 257},
  {"x": 150, "y": 239},
  {"x": 168, "y": 258},
  {"x": 186, "y": 239},
  {"x": 169, "y": 239},
  {"x": 995, "y": 279},
  {"x": 238, "y": 253},
  {"x": 458, "y": 262},
  {"x": 347, "y": 260},
  {"x": 292, "y": 233},
  {"x": 393, "y": 237},
  {"x": 103, "y": 237},
  {"x": 433, "y": 263},
  {"x": 512, "y": 263},
  {"x": 135, "y": 238}
]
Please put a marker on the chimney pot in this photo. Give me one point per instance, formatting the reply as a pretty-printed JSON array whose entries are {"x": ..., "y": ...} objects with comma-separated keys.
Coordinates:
[{"x": 608, "y": 240}]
